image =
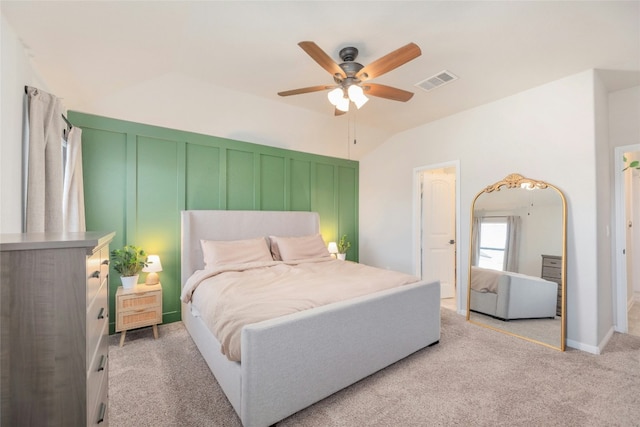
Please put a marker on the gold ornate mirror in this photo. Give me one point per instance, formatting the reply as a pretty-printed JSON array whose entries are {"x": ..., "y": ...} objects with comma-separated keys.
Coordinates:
[{"x": 517, "y": 273}]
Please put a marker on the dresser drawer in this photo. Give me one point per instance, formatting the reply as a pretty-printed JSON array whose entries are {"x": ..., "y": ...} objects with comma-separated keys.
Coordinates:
[
  {"x": 104, "y": 263},
  {"x": 98, "y": 368},
  {"x": 551, "y": 262},
  {"x": 97, "y": 415},
  {"x": 551, "y": 273},
  {"x": 94, "y": 276},
  {"x": 97, "y": 318}
]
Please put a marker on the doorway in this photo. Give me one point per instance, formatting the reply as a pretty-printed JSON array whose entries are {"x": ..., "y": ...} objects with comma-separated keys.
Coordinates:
[
  {"x": 437, "y": 227},
  {"x": 627, "y": 243}
]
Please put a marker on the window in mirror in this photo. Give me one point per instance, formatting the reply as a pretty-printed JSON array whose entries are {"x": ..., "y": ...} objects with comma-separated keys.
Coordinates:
[
  {"x": 498, "y": 242},
  {"x": 493, "y": 241}
]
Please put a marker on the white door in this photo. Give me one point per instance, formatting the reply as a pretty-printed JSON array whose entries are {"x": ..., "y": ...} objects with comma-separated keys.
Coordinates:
[{"x": 438, "y": 215}]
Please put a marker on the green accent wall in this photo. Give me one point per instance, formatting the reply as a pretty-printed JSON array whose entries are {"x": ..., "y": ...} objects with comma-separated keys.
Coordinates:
[{"x": 137, "y": 179}]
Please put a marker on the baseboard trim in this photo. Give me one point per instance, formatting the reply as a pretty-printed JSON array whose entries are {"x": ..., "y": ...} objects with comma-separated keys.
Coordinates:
[{"x": 592, "y": 348}]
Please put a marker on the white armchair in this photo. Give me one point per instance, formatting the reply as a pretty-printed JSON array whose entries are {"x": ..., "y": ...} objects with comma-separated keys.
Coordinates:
[{"x": 513, "y": 295}]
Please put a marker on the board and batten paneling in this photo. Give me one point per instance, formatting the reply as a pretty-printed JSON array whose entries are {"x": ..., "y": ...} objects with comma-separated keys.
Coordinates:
[{"x": 139, "y": 177}]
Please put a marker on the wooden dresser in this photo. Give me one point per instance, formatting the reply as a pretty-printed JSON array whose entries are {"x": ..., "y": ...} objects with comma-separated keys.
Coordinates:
[
  {"x": 552, "y": 271},
  {"x": 54, "y": 329}
]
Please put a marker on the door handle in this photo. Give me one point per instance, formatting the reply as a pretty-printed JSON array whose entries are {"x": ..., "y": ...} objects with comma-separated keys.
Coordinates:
[{"x": 451, "y": 242}]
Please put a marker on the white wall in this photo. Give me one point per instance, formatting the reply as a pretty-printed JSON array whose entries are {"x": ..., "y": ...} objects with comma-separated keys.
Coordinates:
[
  {"x": 544, "y": 133},
  {"x": 16, "y": 73},
  {"x": 624, "y": 111},
  {"x": 604, "y": 210},
  {"x": 177, "y": 101},
  {"x": 174, "y": 101}
]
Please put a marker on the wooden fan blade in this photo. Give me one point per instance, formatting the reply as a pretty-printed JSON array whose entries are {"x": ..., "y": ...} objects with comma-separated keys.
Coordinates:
[
  {"x": 338, "y": 112},
  {"x": 305, "y": 90},
  {"x": 387, "y": 92},
  {"x": 324, "y": 60},
  {"x": 389, "y": 62}
]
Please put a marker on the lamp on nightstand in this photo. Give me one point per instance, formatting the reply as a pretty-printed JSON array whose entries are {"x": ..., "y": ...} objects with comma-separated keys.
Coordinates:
[
  {"x": 153, "y": 267},
  {"x": 333, "y": 249}
]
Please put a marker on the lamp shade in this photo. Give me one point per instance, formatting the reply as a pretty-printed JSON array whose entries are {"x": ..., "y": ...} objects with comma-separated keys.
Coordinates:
[
  {"x": 333, "y": 248},
  {"x": 153, "y": 264}
]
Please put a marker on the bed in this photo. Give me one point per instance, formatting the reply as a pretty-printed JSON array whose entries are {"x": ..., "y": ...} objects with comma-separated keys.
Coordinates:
[
  {"x": 295, "y": 360},
  {"x": 509, "y": 296}
]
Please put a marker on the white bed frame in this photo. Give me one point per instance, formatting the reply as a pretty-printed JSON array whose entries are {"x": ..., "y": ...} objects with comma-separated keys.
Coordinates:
[{"x": 293, "y": 361}]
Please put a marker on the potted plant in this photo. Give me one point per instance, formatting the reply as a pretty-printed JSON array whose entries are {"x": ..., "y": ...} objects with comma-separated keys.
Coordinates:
[
  {"x": 343, "y": 247},
  {"x": 129, "y": 261},
  {"x": 634, "y": 164}
]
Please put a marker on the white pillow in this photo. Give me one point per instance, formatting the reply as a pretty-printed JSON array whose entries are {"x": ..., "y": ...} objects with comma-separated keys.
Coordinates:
[
  {"x": 217, "y": 252},
  {"x": 298, "y": 248}
]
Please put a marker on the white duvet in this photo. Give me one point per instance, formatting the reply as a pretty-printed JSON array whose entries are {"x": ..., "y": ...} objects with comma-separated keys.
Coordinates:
[{"x": 229, "y": 297}]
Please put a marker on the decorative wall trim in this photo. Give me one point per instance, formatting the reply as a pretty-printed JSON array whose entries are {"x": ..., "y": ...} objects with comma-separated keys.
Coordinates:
[{"x": 139, "y": 177}]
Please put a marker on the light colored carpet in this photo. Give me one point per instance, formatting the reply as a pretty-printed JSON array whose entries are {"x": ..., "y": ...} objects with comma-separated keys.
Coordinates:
[{"x": 473, "y": 377}]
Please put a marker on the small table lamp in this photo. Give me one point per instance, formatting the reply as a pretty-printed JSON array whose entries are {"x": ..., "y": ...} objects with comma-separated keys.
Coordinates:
[
  {"x": 153, "y": 266},
  {"x": 333, "y": 249}
]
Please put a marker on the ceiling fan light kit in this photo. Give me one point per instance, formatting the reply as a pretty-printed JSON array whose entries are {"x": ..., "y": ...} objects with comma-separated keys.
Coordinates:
[
  {"x": 350, "y": 76},
  {"x": 354, "y": 94}
]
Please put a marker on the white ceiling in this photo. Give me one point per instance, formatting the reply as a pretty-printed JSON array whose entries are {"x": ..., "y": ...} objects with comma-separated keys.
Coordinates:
[{"x": 87, "y": 50}]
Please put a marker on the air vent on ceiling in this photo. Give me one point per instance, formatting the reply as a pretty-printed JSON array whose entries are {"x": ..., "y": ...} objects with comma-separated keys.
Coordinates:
[{"x": 442, "y": 78}]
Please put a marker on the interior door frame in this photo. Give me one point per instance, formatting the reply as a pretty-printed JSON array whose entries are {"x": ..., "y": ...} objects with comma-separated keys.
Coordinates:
[
  {"x": 620, "y": 301},
  {"x": 417, "y": 221}
]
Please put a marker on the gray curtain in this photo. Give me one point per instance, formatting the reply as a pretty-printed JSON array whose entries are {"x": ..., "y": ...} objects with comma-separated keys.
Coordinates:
[
  {"x": 511, "y": 248},
  {"x": 73, "y": 188},
  {"x": 43, "y": 165}
]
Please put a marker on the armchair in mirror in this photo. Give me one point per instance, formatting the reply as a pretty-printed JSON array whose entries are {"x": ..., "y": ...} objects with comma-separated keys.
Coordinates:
[{"x": 517, "y": 260}]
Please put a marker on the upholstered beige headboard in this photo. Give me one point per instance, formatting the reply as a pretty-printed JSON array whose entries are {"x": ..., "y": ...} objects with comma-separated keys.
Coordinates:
[{"x": 235, "y": 225}]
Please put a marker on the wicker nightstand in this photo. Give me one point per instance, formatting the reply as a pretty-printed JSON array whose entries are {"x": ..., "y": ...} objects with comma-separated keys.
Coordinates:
[{"x": 137, "y": 308}]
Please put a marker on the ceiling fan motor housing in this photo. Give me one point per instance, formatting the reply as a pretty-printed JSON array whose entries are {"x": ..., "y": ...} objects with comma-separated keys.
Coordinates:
[{"x": 349, "y": 66}]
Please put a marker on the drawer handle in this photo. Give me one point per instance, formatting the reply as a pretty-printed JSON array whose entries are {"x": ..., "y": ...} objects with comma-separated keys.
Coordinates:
[
  {"x": 103, "y": 360},
  {"x": 105, "y": 262},
  {"x": 103, "y": 410},
  {"x": 95, "y": 275},
  {"x": 101, "y": 314}
]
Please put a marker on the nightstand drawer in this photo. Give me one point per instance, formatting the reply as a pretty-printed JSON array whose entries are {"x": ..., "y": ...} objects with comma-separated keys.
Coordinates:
[
  {"x": 139, "y": 301},
  {"x": 138, "y": 318}
]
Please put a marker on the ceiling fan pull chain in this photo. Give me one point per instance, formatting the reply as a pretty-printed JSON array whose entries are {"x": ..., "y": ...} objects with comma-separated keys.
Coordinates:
[{"x": 355, "y": 141}]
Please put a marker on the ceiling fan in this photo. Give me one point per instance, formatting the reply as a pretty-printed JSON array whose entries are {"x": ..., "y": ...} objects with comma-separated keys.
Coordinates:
[{"x": 352, "y": 78}]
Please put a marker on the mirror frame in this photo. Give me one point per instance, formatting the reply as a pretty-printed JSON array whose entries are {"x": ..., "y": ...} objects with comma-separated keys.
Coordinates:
[{"x": 514, "y": 181}]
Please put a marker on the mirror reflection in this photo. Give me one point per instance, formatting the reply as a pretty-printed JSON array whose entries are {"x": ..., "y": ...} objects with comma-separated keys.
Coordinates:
[{"x": 517, "y": 253}]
